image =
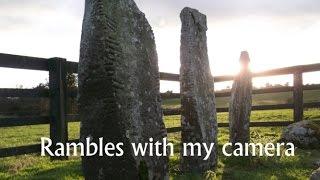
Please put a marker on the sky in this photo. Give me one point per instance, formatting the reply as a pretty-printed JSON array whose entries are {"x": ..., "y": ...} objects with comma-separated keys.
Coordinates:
[{"x": 276, "y": 33}]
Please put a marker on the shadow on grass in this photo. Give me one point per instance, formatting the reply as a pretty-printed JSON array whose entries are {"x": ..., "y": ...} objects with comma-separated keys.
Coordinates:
[
  {"x": 260, "y": 168},
  {"x": 54, "y": 170}
]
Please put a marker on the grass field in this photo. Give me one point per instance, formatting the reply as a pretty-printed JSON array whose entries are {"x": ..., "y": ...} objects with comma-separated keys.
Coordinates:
[
  {"x": 298, "y": 167},
  {"x": 258, "y": 99},
  {"x": 35, "y": 167}
]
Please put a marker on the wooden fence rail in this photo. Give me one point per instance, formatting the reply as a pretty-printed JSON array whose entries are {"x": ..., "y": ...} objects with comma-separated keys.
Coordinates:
[{"x": 57, "y": 94}]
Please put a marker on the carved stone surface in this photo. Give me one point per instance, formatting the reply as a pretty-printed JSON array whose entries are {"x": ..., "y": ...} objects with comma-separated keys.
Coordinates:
[
  {"x": 240, "y": 103},
  {"x": 119, "y": 97},
  {"x": 198, "y": 115}
]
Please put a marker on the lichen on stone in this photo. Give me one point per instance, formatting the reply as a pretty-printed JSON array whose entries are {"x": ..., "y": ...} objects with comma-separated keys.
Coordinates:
[
  {"x": 118, "y": 84},
  {"x": 198, "y": 111}
]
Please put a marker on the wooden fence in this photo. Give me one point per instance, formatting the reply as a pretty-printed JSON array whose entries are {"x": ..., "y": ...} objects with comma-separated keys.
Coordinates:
[{"x": 57, "y": 93}]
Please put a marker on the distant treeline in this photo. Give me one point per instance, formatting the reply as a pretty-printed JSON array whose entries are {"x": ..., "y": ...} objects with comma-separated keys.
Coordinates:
[
  {"x": 267, "y": 85},
  {"x": 40, "y": 106},
  {"x": 22, "y": 106}
]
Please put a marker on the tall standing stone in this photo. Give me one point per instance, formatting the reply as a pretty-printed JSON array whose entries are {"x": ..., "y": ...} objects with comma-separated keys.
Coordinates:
[
  {"x": 240, "y": 103},
  {"x": 198, "y": 116},
  {"x": 119, "y": 97}
]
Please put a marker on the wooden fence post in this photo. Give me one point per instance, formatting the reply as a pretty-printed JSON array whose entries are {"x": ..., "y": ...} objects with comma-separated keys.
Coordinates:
[
  {"x": 57, "y": 88},
  {"x": 298, "y": 96}
]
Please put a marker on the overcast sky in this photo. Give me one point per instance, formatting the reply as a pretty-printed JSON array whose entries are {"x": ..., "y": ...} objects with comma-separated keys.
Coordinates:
[{"x": 276, "y": 33}]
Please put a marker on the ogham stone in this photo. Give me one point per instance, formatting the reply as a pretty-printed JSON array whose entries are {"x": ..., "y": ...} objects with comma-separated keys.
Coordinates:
[
  {"x": 119, "y": 97},
  {"x": 198, "y": 113},
  {"x": 240, "y": 103}
]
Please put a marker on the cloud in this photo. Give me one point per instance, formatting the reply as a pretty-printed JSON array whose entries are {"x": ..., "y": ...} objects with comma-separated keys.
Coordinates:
[
  {"x": 222, "y": 10},
  {"x": 20, "y": 13},
  {"x": 17, "y": 14},
  {"x": 258, "y": 7},
  {"x": 287, "y": 28},
  {"x": 41, "y": 28}
]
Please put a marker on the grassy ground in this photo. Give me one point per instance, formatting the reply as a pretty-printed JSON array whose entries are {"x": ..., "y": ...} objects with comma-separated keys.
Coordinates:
[
  {"x": 35, "y": 167},
  {"x": 297, "y": 167},
  {"x": 258, "y": 99},
  {"x": 268, "y": 115}
]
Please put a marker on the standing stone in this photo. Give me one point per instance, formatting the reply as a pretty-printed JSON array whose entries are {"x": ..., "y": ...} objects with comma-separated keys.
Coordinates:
[
  {"x": 240, "y": 104},
  {"x": 303, "y": 134},
  {"x": 315, "y": 175},
  {"x": 198, "y": 115},
  {"x": 119, "y": 97}
]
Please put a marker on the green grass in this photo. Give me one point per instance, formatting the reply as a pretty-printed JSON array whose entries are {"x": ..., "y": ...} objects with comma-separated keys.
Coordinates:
[
  {"x": 258, "y": 99},
  {"x": 26, "y": 135},
  {"x": 297, "y": 167},
  {"x": 35, "y": 167},
  {"x": 257, "y": 116}
]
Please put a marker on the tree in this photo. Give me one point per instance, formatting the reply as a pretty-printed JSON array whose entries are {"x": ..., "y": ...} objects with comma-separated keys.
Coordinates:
[{"x": 72, "y": 81}]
